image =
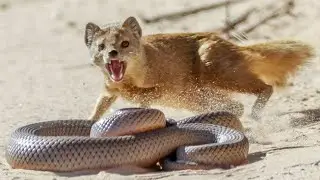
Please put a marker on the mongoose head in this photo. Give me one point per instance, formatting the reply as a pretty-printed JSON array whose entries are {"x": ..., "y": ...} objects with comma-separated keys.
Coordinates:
[{"x": 114, "y": 46}]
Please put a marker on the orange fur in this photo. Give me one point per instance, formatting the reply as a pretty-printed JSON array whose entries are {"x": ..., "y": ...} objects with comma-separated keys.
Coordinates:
[{"x": 274, "y": 61}]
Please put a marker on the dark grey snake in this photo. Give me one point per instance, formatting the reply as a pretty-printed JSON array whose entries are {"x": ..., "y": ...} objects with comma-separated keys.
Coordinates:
[{"x": 199, "y": 142}]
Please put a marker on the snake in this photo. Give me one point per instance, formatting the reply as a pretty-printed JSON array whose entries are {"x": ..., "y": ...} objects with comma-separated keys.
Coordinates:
[{"x": 140, "y": 137}]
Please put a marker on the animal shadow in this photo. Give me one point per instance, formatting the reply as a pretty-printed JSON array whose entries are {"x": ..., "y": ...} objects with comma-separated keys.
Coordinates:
[
  {"x": 303, "y": 117},
  {"x": 260, "y": 155}
]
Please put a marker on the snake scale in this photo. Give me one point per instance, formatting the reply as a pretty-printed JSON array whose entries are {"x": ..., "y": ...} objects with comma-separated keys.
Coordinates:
[{"x": 199, "y": 142}]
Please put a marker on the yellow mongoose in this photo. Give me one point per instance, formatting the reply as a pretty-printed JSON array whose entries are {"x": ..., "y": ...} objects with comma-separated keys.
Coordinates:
[{"x": 186, "y": 70}]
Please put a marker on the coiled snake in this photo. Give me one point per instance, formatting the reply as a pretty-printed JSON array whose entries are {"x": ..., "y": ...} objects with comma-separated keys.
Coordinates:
[{"x": 198, "y": 142}]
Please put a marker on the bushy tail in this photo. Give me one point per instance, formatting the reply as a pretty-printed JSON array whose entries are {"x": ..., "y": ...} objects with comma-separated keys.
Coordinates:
[{"x": 274, "y": 61}]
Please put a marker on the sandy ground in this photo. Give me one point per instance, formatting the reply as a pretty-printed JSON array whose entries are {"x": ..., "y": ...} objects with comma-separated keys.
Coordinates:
[{"x": 45, "y": 75}]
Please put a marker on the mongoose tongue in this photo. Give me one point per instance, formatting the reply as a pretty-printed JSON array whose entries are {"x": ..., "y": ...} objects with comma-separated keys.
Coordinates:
[{"x": 116, "y": 69}]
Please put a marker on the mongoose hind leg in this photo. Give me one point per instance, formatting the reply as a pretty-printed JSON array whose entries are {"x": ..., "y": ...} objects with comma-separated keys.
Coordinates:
[{"x": 261, "y": 102}]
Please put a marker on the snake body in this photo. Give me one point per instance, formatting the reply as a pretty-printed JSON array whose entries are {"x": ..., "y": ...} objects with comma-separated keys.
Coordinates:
[{"x": 202, "y": 141}]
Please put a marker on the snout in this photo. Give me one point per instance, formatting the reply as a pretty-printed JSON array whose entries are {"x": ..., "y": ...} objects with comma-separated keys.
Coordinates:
[{"x": 113, "y": 54}]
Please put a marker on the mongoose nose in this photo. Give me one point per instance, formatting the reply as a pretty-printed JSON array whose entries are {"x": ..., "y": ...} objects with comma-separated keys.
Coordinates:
[{"x": 113, "y": 53}]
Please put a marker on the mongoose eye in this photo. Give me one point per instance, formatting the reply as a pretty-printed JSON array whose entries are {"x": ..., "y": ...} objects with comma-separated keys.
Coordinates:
[
  {"x": 101, "y": 47},
  {"x": 125, "y": 44}
]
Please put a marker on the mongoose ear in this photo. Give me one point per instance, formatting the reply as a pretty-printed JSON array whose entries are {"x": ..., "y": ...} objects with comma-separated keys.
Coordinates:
[
  {"x": 90, "y": 31},
  {"x": 132, "y": 24}
]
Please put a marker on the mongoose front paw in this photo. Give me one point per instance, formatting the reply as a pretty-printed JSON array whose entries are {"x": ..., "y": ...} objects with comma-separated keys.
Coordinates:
[{"x": 93, "y": 117}]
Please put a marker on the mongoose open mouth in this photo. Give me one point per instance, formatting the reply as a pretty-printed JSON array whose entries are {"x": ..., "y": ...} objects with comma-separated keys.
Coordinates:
[{"x": 116, "y": 69}]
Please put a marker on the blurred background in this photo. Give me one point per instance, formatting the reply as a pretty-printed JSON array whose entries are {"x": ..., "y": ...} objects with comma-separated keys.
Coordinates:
[
  {"x": 45, "y": 72},
  {"x": 45, "y": 69}
]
